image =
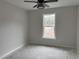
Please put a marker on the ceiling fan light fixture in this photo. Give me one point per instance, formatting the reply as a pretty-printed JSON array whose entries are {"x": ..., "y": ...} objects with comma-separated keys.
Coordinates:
[{"x": 41, "y": 6}]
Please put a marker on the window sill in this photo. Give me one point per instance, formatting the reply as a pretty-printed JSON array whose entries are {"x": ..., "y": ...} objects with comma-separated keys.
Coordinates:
[{"x": 49, "y": 38}]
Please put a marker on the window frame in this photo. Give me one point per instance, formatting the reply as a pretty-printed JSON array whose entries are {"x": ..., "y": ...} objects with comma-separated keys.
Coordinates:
[{"x": 49, "y": 26}]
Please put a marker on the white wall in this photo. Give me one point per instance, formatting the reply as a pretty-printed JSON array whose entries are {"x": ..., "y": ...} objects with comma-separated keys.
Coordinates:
[
  {"x": 65, "y": 27},
  {"x": 13, "y": 27},
  {"x": 78, "y": 32}
]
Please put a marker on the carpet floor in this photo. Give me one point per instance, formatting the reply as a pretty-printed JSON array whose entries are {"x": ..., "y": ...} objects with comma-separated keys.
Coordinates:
[{"x": 42, "y": 52}]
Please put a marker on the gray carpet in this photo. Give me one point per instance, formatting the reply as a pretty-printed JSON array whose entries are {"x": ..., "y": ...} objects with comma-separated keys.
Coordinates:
[{"x": 42, "y": 52}]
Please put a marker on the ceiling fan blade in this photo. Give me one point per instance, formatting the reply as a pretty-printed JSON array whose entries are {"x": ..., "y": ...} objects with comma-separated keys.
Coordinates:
[
  {"x": 31, "y": 1},
  {"x": 48, "y": 1},
  {"x": 35, "y": 6}
]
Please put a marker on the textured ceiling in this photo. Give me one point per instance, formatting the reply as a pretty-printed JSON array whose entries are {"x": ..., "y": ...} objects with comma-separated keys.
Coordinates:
[{"x": 29, "y": 6}]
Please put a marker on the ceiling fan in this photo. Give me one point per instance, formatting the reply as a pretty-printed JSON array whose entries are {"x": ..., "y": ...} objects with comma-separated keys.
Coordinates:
[{"x": 41, "y": 3}]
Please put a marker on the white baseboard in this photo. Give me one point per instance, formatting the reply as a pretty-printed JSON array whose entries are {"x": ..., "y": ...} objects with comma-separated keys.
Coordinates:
[{"x": 11, "y": 52}]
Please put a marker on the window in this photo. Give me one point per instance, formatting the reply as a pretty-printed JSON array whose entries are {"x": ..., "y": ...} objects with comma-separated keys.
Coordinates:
[{"x": 49, "y": 26}]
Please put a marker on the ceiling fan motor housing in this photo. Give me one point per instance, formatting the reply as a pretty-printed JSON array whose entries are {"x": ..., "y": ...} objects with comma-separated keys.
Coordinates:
[{"x": 41, "y": 1}]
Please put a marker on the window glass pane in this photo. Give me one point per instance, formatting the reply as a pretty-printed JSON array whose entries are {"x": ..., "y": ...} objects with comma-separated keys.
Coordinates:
[
  {"x": 49, "y": 32},
  {"x": 49, "y": 20}
]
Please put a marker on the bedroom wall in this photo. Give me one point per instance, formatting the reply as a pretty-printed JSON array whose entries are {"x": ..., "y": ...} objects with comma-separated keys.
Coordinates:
[
  {"x": 65, "y": 27},
  {"x": 78, "y": 33},
  {"x": 13, "y": 27}
]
